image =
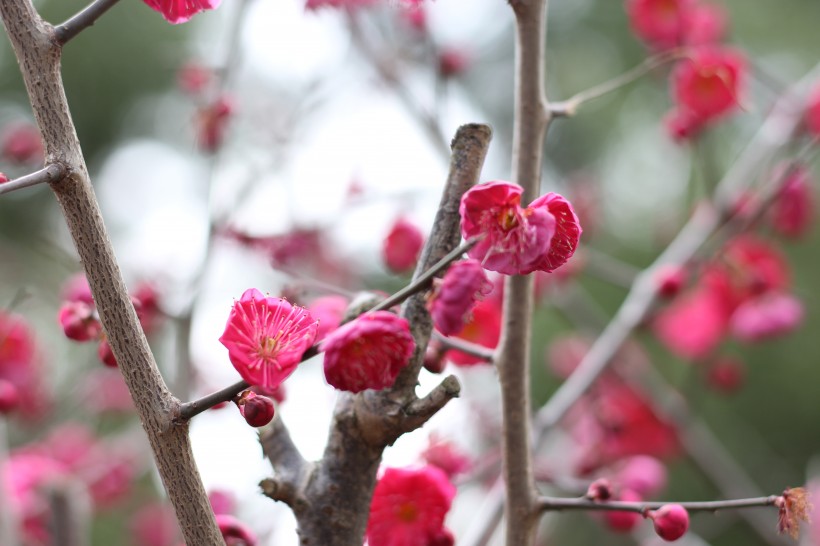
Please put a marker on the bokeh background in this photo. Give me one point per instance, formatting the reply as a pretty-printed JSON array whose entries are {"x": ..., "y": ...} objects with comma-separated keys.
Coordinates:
[{"x": 320, "y": 141}]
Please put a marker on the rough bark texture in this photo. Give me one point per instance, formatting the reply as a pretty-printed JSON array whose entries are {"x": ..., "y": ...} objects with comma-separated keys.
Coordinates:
[
  {"x": 38, "y": 54},
  {"x": 513, "y": 354},
  {"x": 331, "y": 498}
]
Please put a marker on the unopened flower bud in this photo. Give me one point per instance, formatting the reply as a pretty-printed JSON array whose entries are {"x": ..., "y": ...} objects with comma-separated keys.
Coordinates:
[
  {"x": 257, "y": 410},
  {"x": 599, "y": 490},
  {"x": 671, "y": 521}
]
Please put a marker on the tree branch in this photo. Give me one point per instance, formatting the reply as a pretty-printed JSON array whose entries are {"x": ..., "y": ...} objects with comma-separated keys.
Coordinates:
[
  {"x": 49, "y": 174},
  {"x": 39, "y": 57},
  {"x": 292, "y": 470},
  {"x": 569, "y": 107},
  {"x": 81, "y": 21},
  {"x": 512, "y": 356}
]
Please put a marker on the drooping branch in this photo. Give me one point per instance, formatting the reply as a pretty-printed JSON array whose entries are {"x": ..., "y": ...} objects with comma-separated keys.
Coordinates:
[
  {"x": 47, "y": 175},
  {"x": 38, "y": 53}
]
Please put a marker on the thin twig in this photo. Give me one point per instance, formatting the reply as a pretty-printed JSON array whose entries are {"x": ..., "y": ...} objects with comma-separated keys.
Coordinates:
[
  {"x": 583, "y": 503},
  {"x": 569, "y": 107},
  {"x": 47, "y": 175},
  {"x": 423, "y": 281},
  {"x": 473, "y": 349},
  {"x": 82, "y": 20}
]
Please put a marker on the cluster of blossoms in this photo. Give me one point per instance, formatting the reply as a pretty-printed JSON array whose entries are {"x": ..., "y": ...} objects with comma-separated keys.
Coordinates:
[
  {"x": 409, "y": 507},
  {"x": 70, "y": 453},
  {"x": 708, "y": 84},
  {"x": 745, "y": 293},
  {"x": 80, "y": 322}
]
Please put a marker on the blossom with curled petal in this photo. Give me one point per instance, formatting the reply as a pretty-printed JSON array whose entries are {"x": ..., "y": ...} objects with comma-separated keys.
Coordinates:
[
  {"x": 180, "y": 11},
  {"x": 266, "y": 338},
  {"x": 516, "y": 240},
  {"x": 368, "y": 353}
]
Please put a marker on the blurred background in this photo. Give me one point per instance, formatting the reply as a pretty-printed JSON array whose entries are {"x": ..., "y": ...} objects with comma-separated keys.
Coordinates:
[{"x": 265, "y": 145}]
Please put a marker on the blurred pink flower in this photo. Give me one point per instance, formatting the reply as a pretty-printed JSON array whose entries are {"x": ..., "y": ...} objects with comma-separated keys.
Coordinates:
[
  {"x": 483, "y": 328},
  {"x": 180, "y": 11},
  {"x": 792, "y": 212},
  {"x": 401, "y": 246},
  {"x": 368, "y": 352},
  {"x": 766, "y": 316},
  {"x": 235, "y": 532},
  {"x": 454, "y": 297},
  {"x": 709, "y": 83},
  {"x": 266, "y": 338},
  {"x": 20, "y": 142},
  {"x": 329, "y": 311},
  {"x": 409, "y": 507}
]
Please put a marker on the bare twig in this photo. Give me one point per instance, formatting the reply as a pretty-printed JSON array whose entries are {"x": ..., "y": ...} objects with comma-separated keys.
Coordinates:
[
  {"x": 70, "y": 513},
  {"x": 47, "y": 175},
  {"x": 466, "y": 347},
  {"x": 583, "y": 503},
  {"x": 81, "y": 21},
  {"x": 569, "y": 107}
]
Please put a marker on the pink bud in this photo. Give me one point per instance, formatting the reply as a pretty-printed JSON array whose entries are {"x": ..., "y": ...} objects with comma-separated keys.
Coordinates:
[
  {"x": 452, "y": 62},
  {"x": 599, "y": 490},
  {"x": 671, "y": 521},
  {"x": 106, "y": 355},
  {"x": 9, "y": 399},
  {"x": 766, "y": 316},
  {"x": 670, "y": 280},
  {"x": 193, "y": 78},
  {"x": 622, "y": 521},
  {"x": 442, "y": 537},
  {"x": 813, "y": 112},
  {"x": 434, "y": 361},
  {"x": 3, "y": 178},
  {"x": 257, "y": 410},
  {"x": 682, "y": 124},
  {"x": 726, "y": 375},
  {"x": 78, "y": 321},
  {"x": 401, "y": 247},
  {"x": 212, "y": 123}
]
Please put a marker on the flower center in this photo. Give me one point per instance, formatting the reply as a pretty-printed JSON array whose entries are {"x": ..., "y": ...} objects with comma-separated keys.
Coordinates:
[{"x": 407, "y": 512}]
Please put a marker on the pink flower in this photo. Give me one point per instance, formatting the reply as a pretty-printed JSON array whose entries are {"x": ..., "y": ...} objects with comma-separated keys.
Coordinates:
[
  {"x": 9, "y": 399},
  {"x": 792, "y": 212},
  {"x": 368, "y": 353},
  {"x": 21, "y": 366},
  {"x": 766, "y": 316},
  {"x": 517, "y": 241},
  {"x": 709, "y": 84},
  {"x": 4, "y": 178},
  {"x": 643, "y": 474},
  {"x": 329, "y": 311},
  {"x": 446, "y": 456},
  {"x": 180, "y": 11},
  {"x": 567, "y": 231},
  {"x": 454, "y": 298},
  {"x": 813, "y": 112},
  {"x": 682, "y": 125},
  {"x": 401, "y": 247},
  {"x": 452, "y": 62},
  {"x": 409, "y": 507},
  {"x": 235, "y": 532},
  {"x": 20, "y": 143},
  {"x": 193, "y": 78},
  {"x": 222, "y": 502},
  {"x": 154, "y": 525},
  {"x": 266, "y": 338},
  {"x": 484, "y": 328},
  {"x": 78, "y": 321},
  {"x": 705, "y": 25},
  {"x": 660, "y": 23},
  {"x": 693, "y": 325}
]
